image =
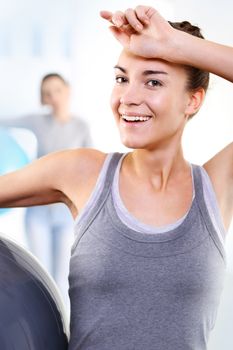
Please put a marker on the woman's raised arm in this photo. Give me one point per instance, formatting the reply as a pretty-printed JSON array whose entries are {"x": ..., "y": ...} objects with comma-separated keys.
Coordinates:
[{"x": 144, "y": 32}]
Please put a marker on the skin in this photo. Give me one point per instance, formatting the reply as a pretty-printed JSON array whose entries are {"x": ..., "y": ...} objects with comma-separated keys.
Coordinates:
[
  {"x": 155, "y": 174},
  {"x": 56, "y": 93},
  {"x": 154, "y": 88}
]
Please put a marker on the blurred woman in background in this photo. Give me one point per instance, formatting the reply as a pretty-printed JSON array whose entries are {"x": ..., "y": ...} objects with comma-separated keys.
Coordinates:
[{"x": 49, "y": 229}]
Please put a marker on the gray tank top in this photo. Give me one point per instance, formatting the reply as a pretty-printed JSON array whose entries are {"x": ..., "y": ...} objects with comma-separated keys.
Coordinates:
[{"x": 135, "y": 291}]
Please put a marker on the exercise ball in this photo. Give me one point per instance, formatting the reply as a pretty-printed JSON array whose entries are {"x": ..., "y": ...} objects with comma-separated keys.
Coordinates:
[
  {"x": 32, "y": 313},
  {"x": 12, "y": 155}
]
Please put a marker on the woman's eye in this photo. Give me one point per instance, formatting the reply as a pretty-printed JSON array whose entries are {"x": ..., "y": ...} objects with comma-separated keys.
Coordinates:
[
  {"x": 120, "y": 80},
  {"x": 154, "y": 83}
]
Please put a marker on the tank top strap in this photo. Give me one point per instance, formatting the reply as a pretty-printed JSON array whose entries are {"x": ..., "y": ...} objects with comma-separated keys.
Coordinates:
[
  {"x": 103, "y": 195},
  {"x": 199, "y": 197}
]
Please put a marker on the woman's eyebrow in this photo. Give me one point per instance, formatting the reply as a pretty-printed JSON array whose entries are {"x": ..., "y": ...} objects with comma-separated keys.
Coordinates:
[
  {"x": 145, "y": 73},
  {"x": 150, "y": 72},
  {"x": 120, "y": 68}
]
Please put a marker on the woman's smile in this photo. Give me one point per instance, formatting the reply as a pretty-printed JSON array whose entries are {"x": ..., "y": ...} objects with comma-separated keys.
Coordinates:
[{"x": 134, "y": 121}]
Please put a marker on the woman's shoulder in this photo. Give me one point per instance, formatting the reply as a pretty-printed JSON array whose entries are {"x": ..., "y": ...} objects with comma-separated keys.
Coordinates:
[
  {"x": 84, "y": 161},
  {"x": 82, "y": 169},
  {"x": 73, "y": 166},
  {"x": 79, "y": 121},
  {"x": 89, "y": 159},
  {"x": 75, "y": 173}
]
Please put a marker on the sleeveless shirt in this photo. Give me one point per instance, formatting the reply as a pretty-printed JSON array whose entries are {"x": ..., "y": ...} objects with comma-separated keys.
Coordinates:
[{"x": 134, "y": 291}]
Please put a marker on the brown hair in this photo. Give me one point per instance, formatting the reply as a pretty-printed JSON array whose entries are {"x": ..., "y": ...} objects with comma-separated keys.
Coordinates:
[
  {"x": 53, "y": 75},
  {"x": 197, "y": 78}
]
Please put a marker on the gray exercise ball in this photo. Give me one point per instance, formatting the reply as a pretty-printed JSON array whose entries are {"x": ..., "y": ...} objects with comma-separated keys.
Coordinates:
[{"x": 32, "y": 313}]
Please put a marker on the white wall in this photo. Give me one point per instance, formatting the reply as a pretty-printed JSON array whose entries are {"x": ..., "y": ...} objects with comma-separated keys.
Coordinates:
[{"x": 70, "y": 37}]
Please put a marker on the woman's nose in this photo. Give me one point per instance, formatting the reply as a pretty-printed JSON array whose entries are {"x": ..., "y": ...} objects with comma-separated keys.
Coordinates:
[{"x": 131, "y": 95}]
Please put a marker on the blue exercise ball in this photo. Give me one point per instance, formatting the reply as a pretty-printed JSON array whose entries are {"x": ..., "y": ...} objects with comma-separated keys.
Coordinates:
[
  {"x": 32, "y": 314},
  {"x": 12, "y": 156}
]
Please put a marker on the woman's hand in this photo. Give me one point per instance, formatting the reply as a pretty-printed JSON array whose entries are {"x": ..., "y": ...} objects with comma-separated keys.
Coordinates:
[{"x": 142, "y": 31}]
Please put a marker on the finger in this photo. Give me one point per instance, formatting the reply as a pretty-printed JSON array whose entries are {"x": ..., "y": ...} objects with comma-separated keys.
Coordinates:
[
  {"x": 143, "y": 14},
  {"x": 151, "y": 12},
  {"x": 119, "y": 19},
  {"x": 121, "y": 36},
  {"x": 106, "y": 15},
  {"x": 133, "y": 20}
]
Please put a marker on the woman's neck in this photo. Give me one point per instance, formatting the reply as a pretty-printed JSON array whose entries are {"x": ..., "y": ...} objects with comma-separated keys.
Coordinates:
[
  {"x": 62, "y": 116},
  {"x": 158, "y": 166}
]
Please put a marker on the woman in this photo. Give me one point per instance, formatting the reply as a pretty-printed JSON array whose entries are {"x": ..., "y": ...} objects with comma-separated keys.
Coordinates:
[
  {"x": 49, "y": 229},
  {"x": 148, "y": 262}
]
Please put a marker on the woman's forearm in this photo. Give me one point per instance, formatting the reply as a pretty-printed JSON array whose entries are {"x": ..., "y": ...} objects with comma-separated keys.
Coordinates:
[{"x": 203, "y": 54}]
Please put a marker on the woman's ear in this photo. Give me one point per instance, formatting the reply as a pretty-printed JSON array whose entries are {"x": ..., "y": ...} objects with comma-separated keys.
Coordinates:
[{"x": 195, "y": 101}]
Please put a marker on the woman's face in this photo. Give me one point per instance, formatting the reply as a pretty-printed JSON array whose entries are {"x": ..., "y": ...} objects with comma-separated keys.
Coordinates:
[
  {"x": 149, "y": 101},
  {"x": 55, "y": 93}
]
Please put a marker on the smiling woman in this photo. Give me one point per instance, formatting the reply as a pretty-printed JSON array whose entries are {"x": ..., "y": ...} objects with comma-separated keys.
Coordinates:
[
  {"x": 147, "y": 265},
  {"x": 155, "y": 90}
]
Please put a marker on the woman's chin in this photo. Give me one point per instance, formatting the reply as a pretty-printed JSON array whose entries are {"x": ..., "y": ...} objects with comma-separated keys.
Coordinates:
[{"x": 133, "y": 144}]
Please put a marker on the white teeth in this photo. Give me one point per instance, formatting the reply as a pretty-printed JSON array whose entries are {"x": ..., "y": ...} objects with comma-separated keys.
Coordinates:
[{"x": 135, "y": 118}]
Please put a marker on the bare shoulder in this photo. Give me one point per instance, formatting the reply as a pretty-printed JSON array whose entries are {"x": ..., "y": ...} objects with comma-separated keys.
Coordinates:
[
  {"x": 80, "y": 170},
  {"x": 83, "y": 160},
  {"x": 220, "y": 171},
  {"x": 77, "y": 163}
]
